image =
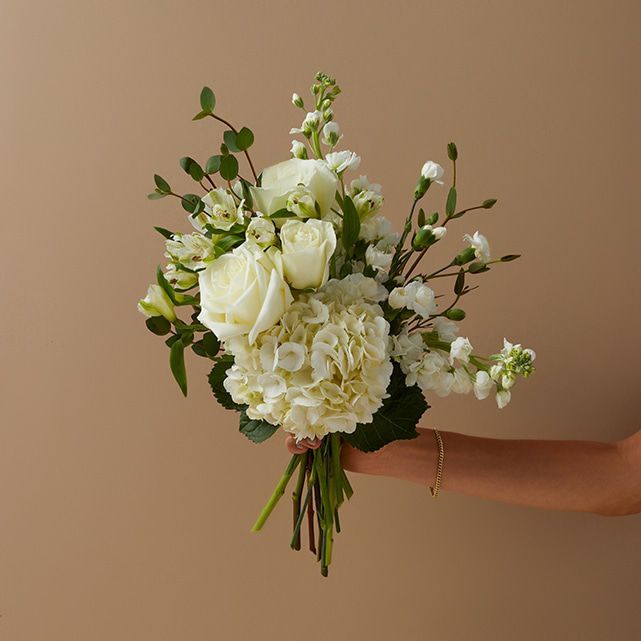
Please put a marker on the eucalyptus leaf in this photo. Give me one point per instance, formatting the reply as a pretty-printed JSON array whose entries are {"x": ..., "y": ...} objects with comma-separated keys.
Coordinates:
[
  {"x": 162, "y": 184},
  {"x": 156, "y": 195},
  {"x": 245, "y": 139},
  {"x": 213, "y": 164},
  {"x": 229, "y": 137},
  {"x": 207, "y": 100},
  {"x": 229, "y": 167}
]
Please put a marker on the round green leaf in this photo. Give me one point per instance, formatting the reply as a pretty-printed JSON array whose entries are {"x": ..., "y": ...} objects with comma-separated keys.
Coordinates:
[
  {"x": 229, "y": 167},
  {"x": 207, "y": 100},
  {"x": 245, "y": 138}
]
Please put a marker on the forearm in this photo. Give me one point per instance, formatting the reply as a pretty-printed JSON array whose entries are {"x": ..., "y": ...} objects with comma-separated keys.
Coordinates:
[{"x": 560, "y": 475}]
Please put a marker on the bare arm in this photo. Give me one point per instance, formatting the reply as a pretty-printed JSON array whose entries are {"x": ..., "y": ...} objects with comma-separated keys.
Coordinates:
[{"x": 581, "y": 476}]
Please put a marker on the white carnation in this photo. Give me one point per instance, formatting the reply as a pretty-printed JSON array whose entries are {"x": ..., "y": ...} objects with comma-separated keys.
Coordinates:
[{"x": 416, "y": 296}]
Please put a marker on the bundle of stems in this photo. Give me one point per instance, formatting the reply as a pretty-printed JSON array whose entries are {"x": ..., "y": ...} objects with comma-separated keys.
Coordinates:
[{"x": 321, "y": 487}]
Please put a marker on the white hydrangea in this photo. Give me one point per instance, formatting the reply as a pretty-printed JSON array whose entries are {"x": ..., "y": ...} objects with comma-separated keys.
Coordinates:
[{"x": 325, "y": 367}]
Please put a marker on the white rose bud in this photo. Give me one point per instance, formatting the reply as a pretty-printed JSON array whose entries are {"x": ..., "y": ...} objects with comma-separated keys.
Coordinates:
[
  {"x": 433, "y": 171},
  {"x": 262, "y": 231},
  {"x": 243, "y": 292},
  {"x": 280, "y": 180},
  {"x": 157, "y": 303},
  {"x": 307, "y": 249},
  {"x": 480, "y": 245}
]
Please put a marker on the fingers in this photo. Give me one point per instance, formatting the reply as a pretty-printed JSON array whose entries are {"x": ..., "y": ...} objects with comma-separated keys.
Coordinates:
[{"x": 302, "y": 446}]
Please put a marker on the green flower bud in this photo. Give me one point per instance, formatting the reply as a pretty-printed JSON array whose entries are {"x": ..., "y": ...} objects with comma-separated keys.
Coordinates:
[
  {"x": 297, "y": 101},
  {"x": 421, "y": 188},
  {"x": 455, "y": 314},
  {"x": 489, "y": 203},
  {"x": 433, "y": 218},
  {"x": 467, "y": 255},
  {"x": 477, "y": 268},
  {"x": 452, "y": 151},
  {"x": 423, "y": 238}
]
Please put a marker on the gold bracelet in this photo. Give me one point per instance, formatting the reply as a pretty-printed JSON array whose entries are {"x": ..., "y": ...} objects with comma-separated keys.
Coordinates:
[{"x": 439, "y": 465}]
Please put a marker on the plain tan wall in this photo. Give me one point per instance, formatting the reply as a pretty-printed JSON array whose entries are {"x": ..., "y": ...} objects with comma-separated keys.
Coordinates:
[{"x": 125, "y": 509}]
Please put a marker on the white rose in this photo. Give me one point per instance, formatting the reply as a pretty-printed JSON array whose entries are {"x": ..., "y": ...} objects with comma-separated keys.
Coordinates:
[
  {"x": 243, "y": 292},
  {"x": 262, "y": 231},
  {"x": 307, "y": 248},
  {"x": 221, "y": 209},
  {"x": 280, "y": 180},
  {"x": 460, "y": 349},
  {"x": 433, "y": 171},
  {"x": 481, "y": 246},
  {"x": 157, "y": 303}
]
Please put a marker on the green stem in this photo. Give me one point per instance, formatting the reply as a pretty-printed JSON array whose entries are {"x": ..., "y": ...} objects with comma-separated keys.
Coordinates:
[
  {"x": 278, "y": 492},
  {"x": 296, "y": 499}
]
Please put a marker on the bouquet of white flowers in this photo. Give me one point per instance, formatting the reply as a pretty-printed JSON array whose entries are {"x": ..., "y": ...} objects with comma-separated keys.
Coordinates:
[{"x": 318, "y": 317}]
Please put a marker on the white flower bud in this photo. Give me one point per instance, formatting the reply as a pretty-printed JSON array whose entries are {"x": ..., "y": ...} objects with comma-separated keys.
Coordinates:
[
  {"x": 331, "y": 134},
  {"x": 297, "y": 101},
  {"x": 503, "y": 398},
  {"x": 480, "y": 245},
  {"x": 157, "y": 303},
  {"x": 432, "y": 171},
  {"x": 460, "y": 349},
  {"x": 298, "y": 150},
  {"x": 482, "y": 385}
]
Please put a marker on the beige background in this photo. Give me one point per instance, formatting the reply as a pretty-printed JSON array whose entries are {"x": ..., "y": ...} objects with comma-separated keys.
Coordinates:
[{"x": 125, "y": 509}]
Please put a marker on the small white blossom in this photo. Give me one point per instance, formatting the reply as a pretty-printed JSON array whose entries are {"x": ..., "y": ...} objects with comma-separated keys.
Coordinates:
[
  {"x": 310, "y": 123},
  {"x": 298, "y": 149},
  {"x": 262, "y": 231},
  {"x": 193, "y": 251},
  {"x": 460, "y": 349},
  {"x": 340, "y": 161},
  {"x": 481, "y": 246},
  {"x": 482, "y": 385},
  {"x": 433, "y": 171},
  {"x": 367, "y": 196},
  {"x": 416, "y": 296},
  {"x": 331, "y": 134},
  {"x": 503, "y": 397},
  {"x": 180, "y": 279},
  {"x": 221, "y": 211},
  {"x": 447, "y": 330}
]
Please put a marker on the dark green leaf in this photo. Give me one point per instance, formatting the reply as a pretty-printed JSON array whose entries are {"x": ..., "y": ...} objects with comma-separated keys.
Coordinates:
[
  {"x": 162, "y": 281},
  {"x": 200, "y": 115},
  {"x": 192, "y": 204},
  {"x": 216, "y": 378},
  {"x": 229, "y": 167},
  {"x": 207, "y": 100},
  {"x": 256, "y": 431},
  {"x": 395, "y": 420},
  {"x": 450, "y": 205},
  {"x": 351, "y": 224},
  {"x": 164, "y": 232},
  {"x": 210, "y": 344},
  {"x": 162, "y": 184},
  {"x": 346, "y": 269},
  {"x": 172, "y": 339},
  {"x": 247, "y": 194},
  {"x": 213, "y": 164},
  {"x": 245, "y": 138},
  {"x": 227, "y": 243},
  {"x": 159, "y": 325},
  {"x": 177, "y": 365},
  {"x": 192, "y": 168},
  {"x": 283, "y": 213},
  {"x": 156, "y": 195},
  {"x": 230, "y": 140},
  {"x": 198, "y": 349},
  {"x": 460, "y": 282}
]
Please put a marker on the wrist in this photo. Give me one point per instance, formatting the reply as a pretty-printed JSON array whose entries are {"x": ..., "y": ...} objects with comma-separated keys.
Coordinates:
[{"x": 413, "y": 460}]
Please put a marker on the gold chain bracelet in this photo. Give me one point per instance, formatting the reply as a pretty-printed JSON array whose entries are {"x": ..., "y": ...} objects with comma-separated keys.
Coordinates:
[{"x": 439, "y": 465}]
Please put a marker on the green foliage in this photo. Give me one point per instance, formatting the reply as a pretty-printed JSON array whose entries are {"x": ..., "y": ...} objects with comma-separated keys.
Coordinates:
[
  {"x": 450, "y": 205},
  {"x": 455, "y": 314},
  {"x": 351, "y": 225},
  {"x": 433, "y": 218},
  {"x": 164, "y": 232},
  {"x": 229, "y": 167},
  {"x": 191, "y": 167},
  {"x": 283, "y": 213},
  {"x": 162, "y": 184},
  {"x": 229, "y": 137},
  {"x": 192, "y": 203},
  {"x": 158, "y": 325},
  {"x": 452, "y": 151},
  {"x": 177, "y": 364},
  {"x": 478, "y": 268},
  {"x": 227, "y": 243},
  {"x": 395, "y": 420},
  {"x": 216, "y": 378},
  {"x": 489, "y": 203},
  {"x": 510, "y": 257},
  {"x": 254, "y": 430},
  {"x": 213, "y": 164},
  {"x": 245, "y": 139},
  {"x": 162, "y": 281},
  {"x": 207, "y": 100},
  {"x": 156, "y": 195},
  {"x": 459, "y": 285}
]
